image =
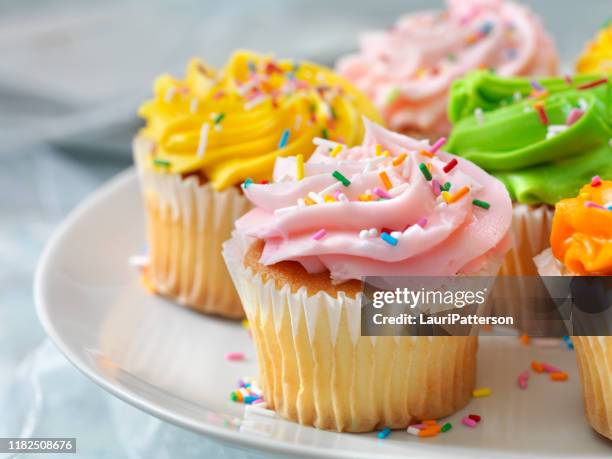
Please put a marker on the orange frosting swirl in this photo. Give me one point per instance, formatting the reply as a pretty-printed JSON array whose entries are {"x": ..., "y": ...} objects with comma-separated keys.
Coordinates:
[{"x": 582, "y": 231}]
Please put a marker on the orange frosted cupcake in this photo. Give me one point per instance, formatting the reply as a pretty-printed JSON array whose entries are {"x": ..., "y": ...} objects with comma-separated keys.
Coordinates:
[{"x": 581, "y": 245}]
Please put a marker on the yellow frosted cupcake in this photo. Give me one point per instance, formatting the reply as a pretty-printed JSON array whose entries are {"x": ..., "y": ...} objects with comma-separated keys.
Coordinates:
[
  {"x": 209, "y": 132},
  {"x": 581, "y": 245},
  {"x": 298, "y": 259},
  {"x": 597, "y": 57}
]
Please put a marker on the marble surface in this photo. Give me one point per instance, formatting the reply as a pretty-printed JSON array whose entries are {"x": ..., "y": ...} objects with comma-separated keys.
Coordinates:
[{"x": 71, "y": 77}]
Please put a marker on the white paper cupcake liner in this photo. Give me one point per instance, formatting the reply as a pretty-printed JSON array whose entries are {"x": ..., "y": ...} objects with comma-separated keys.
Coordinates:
[
  {"x": 316, "y": 369},
  {"x": 594, "y": 356},
  {"x": 186, "y": 225}
]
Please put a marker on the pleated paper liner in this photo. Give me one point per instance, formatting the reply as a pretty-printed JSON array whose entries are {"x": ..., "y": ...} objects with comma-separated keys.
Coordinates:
[
  {"x": 187, "y": 224},
  {"x": 317, "y": 370},
  {"x": 530, "y": 233},
  {"x": 594, "y": 356}
]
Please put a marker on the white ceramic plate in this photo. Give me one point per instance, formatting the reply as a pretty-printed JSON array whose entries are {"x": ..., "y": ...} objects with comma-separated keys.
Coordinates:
[{"x": 170, "y": 362}]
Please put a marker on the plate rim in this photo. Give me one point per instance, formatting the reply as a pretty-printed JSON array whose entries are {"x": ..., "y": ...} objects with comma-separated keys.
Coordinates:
[{"x": 223, "y": 435}]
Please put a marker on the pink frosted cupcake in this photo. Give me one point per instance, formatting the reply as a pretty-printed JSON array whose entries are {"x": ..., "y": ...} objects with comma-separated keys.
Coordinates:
[
  {"x": 407, "y": 70},
  {"x": 298, "y": 258}
]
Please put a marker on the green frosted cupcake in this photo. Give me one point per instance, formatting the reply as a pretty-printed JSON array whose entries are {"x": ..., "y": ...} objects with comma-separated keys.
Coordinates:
[{"x": 543, "y": 139}]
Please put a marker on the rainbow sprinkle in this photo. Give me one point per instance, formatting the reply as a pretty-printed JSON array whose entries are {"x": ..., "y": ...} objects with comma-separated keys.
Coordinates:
[
  {"x": 381, "y": 193},
  {"x": 218, "y": 118},
  {"x": 388, "y": 239},
  {"x": 235, "y": 356},
  {"x": 341, "y": 178},
  {"x": 161, "y": 162},
  {"x": 450, "y": 165},
  {"x": 319, "y": 234},
  {"x": 284, "y": 139},
  {"x": 425, "y": 171},
  {"x": 299, "y": 165},
  {"x": 483, "y": 204},
  {"x": 482, "y": 392},
  {"x": 574, "y": 115},
  {"x": 436, "y": 146},
  {"x": 592, "y": 84},
  {"x": 469, "y": 422},
  {"x": 399, "y": 160},
  {"x": 385, "y": 179},
  {"x": 455, "y": 197},
  {"x": 384, "y": 433},
  {"x": 596, "y": 181},
  {"x": 247, "y": 182},
  {"x": 541, "y": 113},
  {"x": 337, "y": 149}
]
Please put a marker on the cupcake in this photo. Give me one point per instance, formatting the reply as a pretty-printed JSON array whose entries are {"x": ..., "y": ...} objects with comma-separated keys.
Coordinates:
[
  {"x": 581, "y": 245},
  {"x": 298, "y": 259},
  {"x": 209, "y": 132},
  {"x": 597, "y": 57},
  {"x": 543, "y": 139},
  {"x": 408, "y": 70}
]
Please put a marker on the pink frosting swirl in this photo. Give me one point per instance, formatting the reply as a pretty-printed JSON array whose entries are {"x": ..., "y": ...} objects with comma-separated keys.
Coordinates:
[
  {"x": 339, "y": 227},
  {"x": 407, "y": 70}
]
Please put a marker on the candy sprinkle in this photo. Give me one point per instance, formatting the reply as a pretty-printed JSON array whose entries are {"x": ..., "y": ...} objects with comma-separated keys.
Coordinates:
[
  {"x": 341, "y": 178},
  {"x": 574, "y": 115},
  {"x": 446, "y": 427},
  {"x": 299, "y": 165},
  {"x": 549, "y": 368},
  {"x": 384, "y": 433},
  {"x": 596, "y": 181},
  {"x": 385, "y": 179},
  {"x": 541, "y": 113},
  {"x": 592, "y": 84},
  {"x": 203, "y": 140},
  {"x": 217, "y": 119},
  {"x": 435, "y": 187},
  {"x": 474, "y": 417},
  {"x": 482, "y": 392},
  {"x": 247, "y": 182},
  {"x": 235, "y": 356},
  {"x": 337, "y": 149},
  {"x": 161, "y": 162},
  {"x": 468, "y": 422},
  {"x": 388, "y": 239},
  {"x": 381, "y": 193},
  {"x": 436, "y": 146},
  {"x": 429, "y": 432},
  {"x": 482, "y": 204},
  {"x": 537, "y": 367},
  {"x": 425, "y": 171},
  {"x": 450, "y": 165},
  {"x": 455, "y": 197},
  {"x": 422, "y": 222},
  {"x": 399, "y": 160},
  {"x": 558, "y": 376},
  {"x": 319, "y": 234},
  {"x": 284, "y": 138}
]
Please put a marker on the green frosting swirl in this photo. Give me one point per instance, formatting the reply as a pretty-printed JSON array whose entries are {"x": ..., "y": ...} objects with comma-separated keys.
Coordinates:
[{"x": 510, "y": 141}]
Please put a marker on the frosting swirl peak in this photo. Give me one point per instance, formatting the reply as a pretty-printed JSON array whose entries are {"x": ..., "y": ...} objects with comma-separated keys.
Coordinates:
[
  {"x": 231, "y": 124},
  {"x": 378, "y": 209},
  {"x": 408, "y": 69}
]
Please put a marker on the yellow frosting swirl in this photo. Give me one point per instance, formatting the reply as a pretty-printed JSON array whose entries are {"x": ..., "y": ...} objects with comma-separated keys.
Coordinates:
[
  {"x": 230, "y": 124},
  {"x": 597, "y": 58}
]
